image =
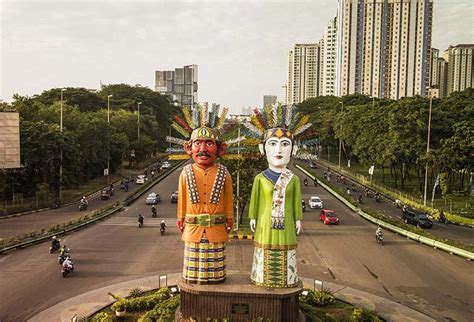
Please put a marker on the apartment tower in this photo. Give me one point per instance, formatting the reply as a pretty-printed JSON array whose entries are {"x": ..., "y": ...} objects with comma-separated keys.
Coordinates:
[
  {"x": 180, "y": 84},
  {"x": 328, "y": 58},
  {"x": 460, "y": 67},
  {"x": 303, "y": 73},
  {"x": 383, "y": 47}
]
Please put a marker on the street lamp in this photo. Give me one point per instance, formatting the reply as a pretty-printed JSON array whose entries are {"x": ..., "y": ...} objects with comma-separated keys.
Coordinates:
[
  {"x": 108, "y": 136},
  {"x": 138, "y": 120},
  {"x": 61, "y": 151},
  {"x": 427, "y": 149},
  {"x": 340, "y": 141}
]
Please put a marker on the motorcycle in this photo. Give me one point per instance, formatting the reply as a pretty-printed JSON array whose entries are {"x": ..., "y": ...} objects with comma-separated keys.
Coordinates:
[
  {"x": 54, "y": 248},
  {"x": 162, "y": 230},
  {"x": 379, "y": 239},
  {"x": 153, "y": 213},
  {"x": 55, "y": 204},
  {"x": 82, "y": 206},
  {"x": 65, "y": 271},
  {"x": 359, "y": 200},
  {"x": 377, "y": 197},
  {"x": 62, "y": 257},
  {"x": 305, "y": 182},
  {"x": 315, "y": 183},
  {"x": 140, "y": 222}
]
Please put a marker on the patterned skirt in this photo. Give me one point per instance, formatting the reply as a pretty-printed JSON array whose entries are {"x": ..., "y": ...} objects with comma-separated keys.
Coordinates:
[
  {"x": 204, "y": 262},
  {"x": 274, "y": 268}
]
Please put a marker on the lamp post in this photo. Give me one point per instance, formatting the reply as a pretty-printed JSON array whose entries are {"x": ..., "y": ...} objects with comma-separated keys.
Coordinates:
[
  {"x": 238, "y": 174},
  {"x": 138, "y": 121},
  {"x": 108, "y": 137},
  {"x": 340, "y": 141},
  {"x": 61, "y": 151},
  {"x": 427, "y": 149}
]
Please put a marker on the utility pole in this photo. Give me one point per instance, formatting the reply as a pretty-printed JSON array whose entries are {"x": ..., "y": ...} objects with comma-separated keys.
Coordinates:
[{"x": 428, "y": 149}]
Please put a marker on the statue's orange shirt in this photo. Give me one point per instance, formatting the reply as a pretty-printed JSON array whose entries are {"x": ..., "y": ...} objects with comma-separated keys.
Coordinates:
[{"x": 204, "y": 183}]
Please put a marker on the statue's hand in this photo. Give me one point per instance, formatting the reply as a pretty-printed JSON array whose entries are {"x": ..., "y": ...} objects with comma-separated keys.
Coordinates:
[
  {"x": 298, "y": 227},
  {"x": 230, "y": 224},
  {"x": 180, "y": 225},
  {"x": 253, "y": 223}
]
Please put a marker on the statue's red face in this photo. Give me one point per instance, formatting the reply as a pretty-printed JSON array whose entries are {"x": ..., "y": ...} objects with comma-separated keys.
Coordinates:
[{"x": 204, "y": 152}]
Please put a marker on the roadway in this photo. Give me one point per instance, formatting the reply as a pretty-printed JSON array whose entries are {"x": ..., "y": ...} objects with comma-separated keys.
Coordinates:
[
  {"x": 115, "y": 250},
  {"x": 463, "y": 234}
]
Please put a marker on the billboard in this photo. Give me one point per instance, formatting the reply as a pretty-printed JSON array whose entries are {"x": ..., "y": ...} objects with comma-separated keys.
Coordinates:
[{"x": 9, "y": 140}]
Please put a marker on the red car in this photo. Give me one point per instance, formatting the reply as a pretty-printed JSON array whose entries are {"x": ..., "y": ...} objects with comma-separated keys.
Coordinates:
[{"x": 328, "y": 217}]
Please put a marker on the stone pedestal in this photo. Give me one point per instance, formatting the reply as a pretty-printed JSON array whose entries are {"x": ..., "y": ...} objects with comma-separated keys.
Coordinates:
[{"x": 238, "y": 300}]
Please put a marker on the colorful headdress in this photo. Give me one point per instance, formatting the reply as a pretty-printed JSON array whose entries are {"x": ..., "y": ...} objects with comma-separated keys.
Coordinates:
[
  {"x": 203, "y": 124},
  {"x": 277, "y": 120}
]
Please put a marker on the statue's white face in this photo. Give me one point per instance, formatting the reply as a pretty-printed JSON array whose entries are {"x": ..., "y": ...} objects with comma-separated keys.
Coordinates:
[{"x": 278, "y": 151}]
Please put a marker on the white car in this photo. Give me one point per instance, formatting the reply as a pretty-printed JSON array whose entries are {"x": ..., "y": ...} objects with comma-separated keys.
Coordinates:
[
  {"x": 315, "y": 202},
  {"x": 165, "y": 165},
  {"x": 141, "y": 179},
  {"x": 153, "y": 198}
]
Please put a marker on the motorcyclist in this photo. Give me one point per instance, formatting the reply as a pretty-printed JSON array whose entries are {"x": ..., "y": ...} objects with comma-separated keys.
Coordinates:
[
  {"x": 360, "y": 198},
  {"x": 162, "y": 226},
  {"x": 305, "y": 181},
  {"x": 68, "y": 264},
  {"x": 378, "y": 232},
  {"x": 315, "y": 182},
  {"x": 442, "y": 217},
  {"x": 153, "y": 211},
  {"x": 55, "y": 244},
  {"x": 140, "y": 219},
  {"x": 83, "y": 201}
]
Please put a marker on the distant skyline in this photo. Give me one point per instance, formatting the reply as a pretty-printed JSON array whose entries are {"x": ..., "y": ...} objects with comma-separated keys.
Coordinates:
[{"x": 240, "y": 47}]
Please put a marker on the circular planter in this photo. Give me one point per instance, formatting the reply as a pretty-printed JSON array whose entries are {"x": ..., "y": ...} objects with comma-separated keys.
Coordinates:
[{"x": 120, "y": 313}]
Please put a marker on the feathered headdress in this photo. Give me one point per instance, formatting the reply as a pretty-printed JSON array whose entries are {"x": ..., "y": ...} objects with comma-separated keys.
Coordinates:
[
  {"x": 204, "y": 124},
  {"x": 277, "y": 120}
]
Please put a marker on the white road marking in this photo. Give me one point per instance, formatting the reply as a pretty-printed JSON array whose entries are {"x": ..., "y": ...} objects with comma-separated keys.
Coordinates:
[{"x": 3, "y": 258}]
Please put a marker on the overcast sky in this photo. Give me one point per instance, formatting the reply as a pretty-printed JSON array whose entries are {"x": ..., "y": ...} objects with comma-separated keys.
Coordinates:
[{"x": 240, "y": 47}]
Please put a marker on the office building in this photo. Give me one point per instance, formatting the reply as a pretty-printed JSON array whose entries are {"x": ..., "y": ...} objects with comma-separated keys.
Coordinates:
[
  {"x": 181, "y": 84},
  {"x": 383, "y": 47},
  {"x": 460, "y": 61},
  {"x": 269, "y": 100},
  {"x": 303, "y": 73}
]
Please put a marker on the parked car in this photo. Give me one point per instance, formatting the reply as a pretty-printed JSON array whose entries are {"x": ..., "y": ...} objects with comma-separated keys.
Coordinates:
[
  {"x": 315, "y": 202},
  {"x": 105, "y": 194},
  {"x": 153, "y": 198},
  {"x": 174, "y": 197},
  {"x": 141, "y": 179},
  {"x": 328, "y": 217},
  {"x": 165, "y": 165},
  {"x": 412, "y": 217}
]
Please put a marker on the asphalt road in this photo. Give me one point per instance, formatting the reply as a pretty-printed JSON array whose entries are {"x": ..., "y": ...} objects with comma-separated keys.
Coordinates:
[
  {"x": 455, "y": 232},
  {"x": 19, "y": 225},
  {"x": 115, "y": 250}
]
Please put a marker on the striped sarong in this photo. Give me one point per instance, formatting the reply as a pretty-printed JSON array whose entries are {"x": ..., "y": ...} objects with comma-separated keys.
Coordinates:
[
  {"x": 274, "y": 268},
  {"x": 204, "y": 262}
]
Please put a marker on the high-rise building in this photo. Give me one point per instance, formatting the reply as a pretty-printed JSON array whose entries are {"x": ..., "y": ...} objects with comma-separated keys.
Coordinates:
[
  {"x": 328, "y": 58},
  {"x": 303, "y": 73},
  {"x": 269, "y": 100},
  {"x": 181, "y": 84},
  {"x": 460, "y": 72},
  {"x": 443, "y": 77},
  {"x": 383, "y": 47},
  {"x": 434, "y": 68}
]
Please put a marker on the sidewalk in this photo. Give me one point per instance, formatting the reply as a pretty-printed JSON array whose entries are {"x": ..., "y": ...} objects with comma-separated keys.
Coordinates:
[{"x": 88, "y": 303}]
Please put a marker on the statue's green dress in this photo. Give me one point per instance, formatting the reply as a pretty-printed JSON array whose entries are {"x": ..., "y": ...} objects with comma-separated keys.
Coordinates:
[{"x": 274, "y": 262}]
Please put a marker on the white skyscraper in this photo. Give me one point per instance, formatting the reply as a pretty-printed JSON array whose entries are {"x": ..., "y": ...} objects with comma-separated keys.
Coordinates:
[{"x": 303, "y": 73}]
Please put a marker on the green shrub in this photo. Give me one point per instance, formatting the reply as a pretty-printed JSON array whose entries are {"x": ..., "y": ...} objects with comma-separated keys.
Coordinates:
[
  {"x": 318, "y": 298},
  {"x": 312, "y": 314},
  {"x": 364, "y": 315},
  {"x": 163, "y": 311},
  {"x": 135, "y": 292},
  {"x": 102, "y": 317}
]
